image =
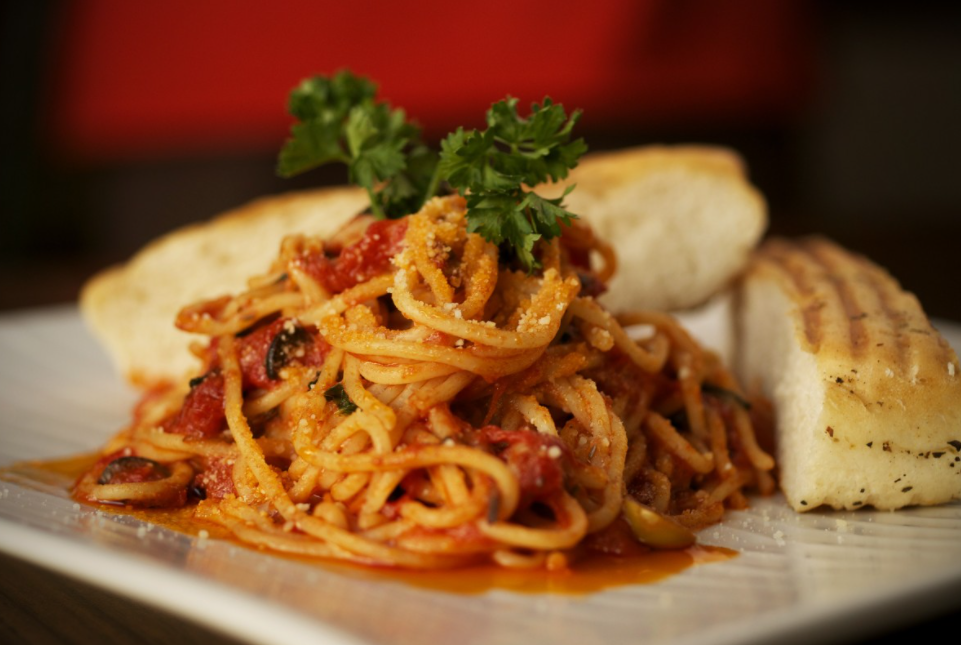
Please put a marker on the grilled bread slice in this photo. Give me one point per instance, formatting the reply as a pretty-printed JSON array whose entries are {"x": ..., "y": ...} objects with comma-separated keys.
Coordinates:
[{"x": 867, "y": 392}]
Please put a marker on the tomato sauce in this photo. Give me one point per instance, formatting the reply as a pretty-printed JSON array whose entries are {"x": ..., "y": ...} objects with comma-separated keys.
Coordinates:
[{"x": 589, "y": 574}]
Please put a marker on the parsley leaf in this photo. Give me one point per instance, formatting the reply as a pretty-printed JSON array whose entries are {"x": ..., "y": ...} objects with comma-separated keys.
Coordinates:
[
  {"x": 492, "y": 168},
  {"x": 340, "y": 121},
  {"x": 321, "y": 105},
  {"x": 338, "y": 395}
]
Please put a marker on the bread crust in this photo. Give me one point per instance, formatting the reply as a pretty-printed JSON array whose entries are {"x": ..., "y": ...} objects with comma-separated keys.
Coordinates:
[{"x": 867, "y": 392}]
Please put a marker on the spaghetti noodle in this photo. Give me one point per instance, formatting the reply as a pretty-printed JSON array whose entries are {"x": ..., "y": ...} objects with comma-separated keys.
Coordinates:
[{"x": 398, "y": 396}]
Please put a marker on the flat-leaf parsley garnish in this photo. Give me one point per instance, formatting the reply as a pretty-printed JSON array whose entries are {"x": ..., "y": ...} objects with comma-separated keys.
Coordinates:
[
  {"x": 340, "y": 120},
  {"x": 493, "y": 167}
]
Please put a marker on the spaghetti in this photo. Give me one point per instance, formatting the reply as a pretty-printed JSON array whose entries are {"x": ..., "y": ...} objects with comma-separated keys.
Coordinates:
[{"x": 398, "y": 396}]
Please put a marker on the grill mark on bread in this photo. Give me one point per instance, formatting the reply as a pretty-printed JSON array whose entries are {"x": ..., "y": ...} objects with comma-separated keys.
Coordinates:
[
  {"x": 836, "y": 272},
  {"x": 785, "y": 259},
  {"x": 828, "y": 284},
  {"x": 812, "y": 325},
  {"x": 901, "y": 330},
  {"x": 855, "y": 306},
  {"x": 895, "y": 317}
]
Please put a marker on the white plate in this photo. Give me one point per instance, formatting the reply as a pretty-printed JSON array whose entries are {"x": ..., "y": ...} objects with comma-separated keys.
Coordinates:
[{"x": 798, "y": 578}]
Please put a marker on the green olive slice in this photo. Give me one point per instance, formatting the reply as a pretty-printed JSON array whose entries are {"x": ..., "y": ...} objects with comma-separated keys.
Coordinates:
[{"x": 653, "y": 529}]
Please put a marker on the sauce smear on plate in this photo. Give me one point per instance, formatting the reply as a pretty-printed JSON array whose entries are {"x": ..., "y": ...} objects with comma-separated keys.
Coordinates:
[{"x": 587, "y": 574}]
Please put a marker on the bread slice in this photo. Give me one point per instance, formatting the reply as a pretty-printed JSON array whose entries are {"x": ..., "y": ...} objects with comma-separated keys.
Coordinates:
[
  {"x": 867, "y": 392},
  {"x": 131, "y": 308},
  {"x": 682, "y": 219}
]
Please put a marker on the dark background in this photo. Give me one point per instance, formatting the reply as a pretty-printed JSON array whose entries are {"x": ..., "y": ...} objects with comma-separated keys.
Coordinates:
[{"x": 124, "y": 120}]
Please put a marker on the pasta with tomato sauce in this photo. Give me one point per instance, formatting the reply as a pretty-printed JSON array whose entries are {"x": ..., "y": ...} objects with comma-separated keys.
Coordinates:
[{"x": 398, "y": 395}]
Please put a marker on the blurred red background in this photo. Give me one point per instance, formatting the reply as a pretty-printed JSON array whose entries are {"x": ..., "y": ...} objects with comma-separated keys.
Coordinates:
[{"x": 135, "y": 79}]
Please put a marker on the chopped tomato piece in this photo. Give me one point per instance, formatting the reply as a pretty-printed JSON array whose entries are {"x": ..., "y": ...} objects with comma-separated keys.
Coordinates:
[
  {"x": 202, "y": 414},
  {"x": 534, "y": 457},
  {"x": 216, "y": 480},
  {"x": 263, "y": 351},
  {"x": 362, "y": 260}
]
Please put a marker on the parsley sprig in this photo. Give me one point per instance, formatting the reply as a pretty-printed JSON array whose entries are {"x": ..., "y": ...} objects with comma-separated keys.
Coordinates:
[
  {"x": 492, "y": 167},
  {"x": 340, "y": 120}
]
